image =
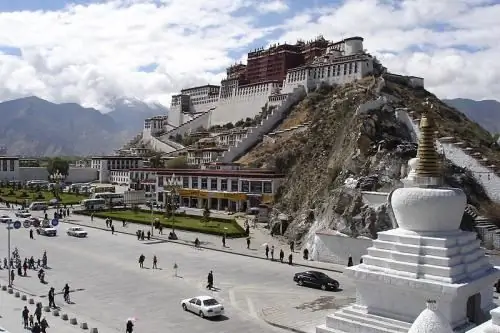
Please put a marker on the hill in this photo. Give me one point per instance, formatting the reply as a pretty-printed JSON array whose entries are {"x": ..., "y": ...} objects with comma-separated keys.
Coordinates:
[
  {"x": 32, "y": 126},
  {"x": 486, "y": 113},
  {"x": 336, "y": 151},
  {"x": 129, "y": 114}
]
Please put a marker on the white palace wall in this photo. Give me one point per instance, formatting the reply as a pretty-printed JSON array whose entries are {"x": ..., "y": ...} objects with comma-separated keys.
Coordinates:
[{"x": 203, "y": 120}]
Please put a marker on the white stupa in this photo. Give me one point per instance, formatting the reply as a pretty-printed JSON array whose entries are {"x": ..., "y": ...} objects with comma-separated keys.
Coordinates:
[{"x": 427, "y": 257}]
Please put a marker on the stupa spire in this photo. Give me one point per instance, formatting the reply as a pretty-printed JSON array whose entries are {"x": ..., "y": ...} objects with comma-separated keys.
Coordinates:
[{"x": 429, "y": 165}]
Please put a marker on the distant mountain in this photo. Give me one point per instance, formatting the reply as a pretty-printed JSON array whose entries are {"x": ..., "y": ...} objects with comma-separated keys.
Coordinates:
[
  {"x": 35, "y": 127},
  {"x": 486, "y": 113},
  {"x": 129, "y": 114}
]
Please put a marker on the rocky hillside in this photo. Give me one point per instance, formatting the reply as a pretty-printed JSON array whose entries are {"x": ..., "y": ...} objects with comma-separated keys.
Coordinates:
[{"x": 342, "y": 152}]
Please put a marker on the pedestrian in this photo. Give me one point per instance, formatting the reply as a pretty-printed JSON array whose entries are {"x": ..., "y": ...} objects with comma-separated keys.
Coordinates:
[
  {"x": 25, "y": 267},
  {"x": 25, "y": 316},
  {"x": 224, "y": 240},
  {"x": 210, "y": 280},
  {"x": 52, "y": 298},
  {"x": 155, "y": 262},
  {"x": 272, "y": 253},
  {"x": 248, "y": 242},
  {"x": 306, "y": 254},
  {"x": 12, "y": 276},
  {"x": 35, "y": 328},
  {"x": 350, "y": 262},
  {"x": 138, "y": 233},
  {"x": 123, "y": 222},
  {"x": 32, "y": 320},
  {"x": 292, "y": 246},
  {"x": 31, "y": 234},
  {"x": 267, "y": 251},
  {"x": 282, "y": 255},
  {"x": 149, "y": 235},
  {"x": 141, "y": 260},
  {"x": 129, "y": 327},
  {"x": 38, "y": 312},
  {"x": 112, "y": 229},
  {"x": 290, "y": 257},
  {"x": 107, "y": 223},
  {"x": 92, "y": 217},
  {"x": 160, "y": 228},
  {"x": 43, "y": 325}
]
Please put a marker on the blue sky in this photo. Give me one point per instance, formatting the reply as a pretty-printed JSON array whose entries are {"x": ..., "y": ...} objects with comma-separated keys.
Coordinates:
[{"x": 150, "y": 50}]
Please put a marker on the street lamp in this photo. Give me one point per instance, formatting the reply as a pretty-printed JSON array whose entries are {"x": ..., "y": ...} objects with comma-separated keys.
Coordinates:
[
  {"x": 173, "y": 185},
  {"x": 56, "y": 177}
]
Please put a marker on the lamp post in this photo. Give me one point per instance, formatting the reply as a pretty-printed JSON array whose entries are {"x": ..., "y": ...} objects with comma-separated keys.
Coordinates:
[
  {"x": 9, "y": 226},
  {"x": 56, "y": 177},
  {"x": 173, "y": 184}
]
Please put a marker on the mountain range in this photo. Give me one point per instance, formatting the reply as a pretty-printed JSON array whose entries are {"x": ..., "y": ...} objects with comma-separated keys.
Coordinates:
[
  {"x": 32, "y": 126},
  {"x": 486, "y": 113}
]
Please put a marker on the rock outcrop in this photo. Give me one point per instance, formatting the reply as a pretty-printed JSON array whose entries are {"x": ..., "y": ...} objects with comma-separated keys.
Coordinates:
[{"x": 354, "y": 144}]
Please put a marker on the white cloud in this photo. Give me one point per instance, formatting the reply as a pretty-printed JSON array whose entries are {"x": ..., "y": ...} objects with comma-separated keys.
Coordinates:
[
  {"x": 273, "y": 6},
  {"x": 92, "y": 53}
]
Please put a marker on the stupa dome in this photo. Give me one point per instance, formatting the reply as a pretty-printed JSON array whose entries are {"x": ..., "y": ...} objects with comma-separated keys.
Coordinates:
[
  {"x": 412, "y": 163},
  {"x": 431, "y": 321},
  {"x": 428, "y": 209}
]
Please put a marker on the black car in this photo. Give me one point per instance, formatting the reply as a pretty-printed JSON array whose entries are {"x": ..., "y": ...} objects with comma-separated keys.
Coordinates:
[{"x": 316, "y": 279}]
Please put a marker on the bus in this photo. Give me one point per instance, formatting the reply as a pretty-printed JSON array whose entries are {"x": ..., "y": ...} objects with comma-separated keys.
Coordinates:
[
  {"x": 93, "y": 204},
  {"x": 112, "y": 199},
  {"x": 40, "y": 183},
  {"x": 103, "y": 188}
]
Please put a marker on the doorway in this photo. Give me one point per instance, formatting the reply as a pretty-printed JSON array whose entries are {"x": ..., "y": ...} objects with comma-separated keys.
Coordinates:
[{"x": 474, "y": 312}]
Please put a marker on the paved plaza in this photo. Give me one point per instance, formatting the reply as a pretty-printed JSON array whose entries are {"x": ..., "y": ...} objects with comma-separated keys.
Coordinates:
[{"x": 110, "y": 287}]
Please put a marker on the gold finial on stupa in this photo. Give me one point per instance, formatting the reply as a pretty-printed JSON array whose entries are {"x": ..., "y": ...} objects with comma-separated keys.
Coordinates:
[{"x": 428, "y": 159}]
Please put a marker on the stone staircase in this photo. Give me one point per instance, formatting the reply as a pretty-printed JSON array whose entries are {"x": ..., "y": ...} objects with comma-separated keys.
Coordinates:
[
  {"x": 256, "y": 134},
  {"x": 356, "y": 316}
]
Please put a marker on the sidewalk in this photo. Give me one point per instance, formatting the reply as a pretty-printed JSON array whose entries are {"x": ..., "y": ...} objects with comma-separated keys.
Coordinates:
[{"x": 259, "y": 236}]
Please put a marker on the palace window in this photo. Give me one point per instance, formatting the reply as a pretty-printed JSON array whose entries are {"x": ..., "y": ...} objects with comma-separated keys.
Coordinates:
[
  {"x": 4, "y": 165},
  {"x": 350, "y": 68},
  {"x": 194, "y": 182},
  {"x": 185, "y": 182},
  {"x": 223, "y": 184},
  {"x": 255, "y": 187},
  {"x": 160, "y": 179},
  {"x": 328, "y": 74},
  {"x": 213, "y": 184},
  {"x": 355, "y": 67},
  {"x": 268, "y": 187},
  {"x": 234, "y": 185},
  {"x": 204, "y": 183},
  {"x": 245, "y": 187}
]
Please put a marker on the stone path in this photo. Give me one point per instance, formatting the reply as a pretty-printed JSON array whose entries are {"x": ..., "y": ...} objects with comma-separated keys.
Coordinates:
[{"x": 259, "y": 237}]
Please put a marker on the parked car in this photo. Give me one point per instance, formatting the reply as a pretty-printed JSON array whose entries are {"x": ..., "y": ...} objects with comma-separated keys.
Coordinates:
[
  {"x": 77, "y": 232},
  {"x": 47, "y": 231},
  {"x": 204, "y": 306},
  {"x": 316, "y": 279},
  {"x": 23, "y": 214},
  {"x": 33, "y": 221},
  {"x": 5, "y": 219}
]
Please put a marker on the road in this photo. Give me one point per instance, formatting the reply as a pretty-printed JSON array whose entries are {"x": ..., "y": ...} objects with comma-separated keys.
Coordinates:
[{"x": 104, "y": 268}]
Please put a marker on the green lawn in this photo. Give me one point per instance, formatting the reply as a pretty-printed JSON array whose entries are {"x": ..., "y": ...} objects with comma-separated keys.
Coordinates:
[
  {"x": 18, "y": 198},
  {"x": 189, "y": 223}
]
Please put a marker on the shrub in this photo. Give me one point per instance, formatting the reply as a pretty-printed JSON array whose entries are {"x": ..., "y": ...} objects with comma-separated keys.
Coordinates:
[
  {"x": 24, "y": 194},
  {"x": 11, "y": 192},
  {"x": 39, "y": 196}
]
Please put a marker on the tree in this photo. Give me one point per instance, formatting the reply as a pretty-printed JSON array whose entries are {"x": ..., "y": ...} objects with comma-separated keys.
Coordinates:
[
  {"x": 58, "y": 164},
  {"x": 206, "y": 214},
  {"x": 177, "y": 163},
  {"x": 156, "y": 162}
]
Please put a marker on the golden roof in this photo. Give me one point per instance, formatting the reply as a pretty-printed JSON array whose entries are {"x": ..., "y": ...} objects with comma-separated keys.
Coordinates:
[{"x": 428, "y": 159}]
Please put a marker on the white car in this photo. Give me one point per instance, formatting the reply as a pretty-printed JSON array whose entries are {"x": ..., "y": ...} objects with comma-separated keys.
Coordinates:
[
  {"x": 5, "y": 219},
  {"x": 204, "y": 306},
  {"x": 23, "y": 214},
  {"x": 77, "y": 232},
  {"x": 3, "y": 330}
]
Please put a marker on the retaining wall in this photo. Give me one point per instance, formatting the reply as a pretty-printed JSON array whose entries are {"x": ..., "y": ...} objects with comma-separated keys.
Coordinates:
[
  {"x": 337, "y": 249},
  {"x": 254, "y": 135}
]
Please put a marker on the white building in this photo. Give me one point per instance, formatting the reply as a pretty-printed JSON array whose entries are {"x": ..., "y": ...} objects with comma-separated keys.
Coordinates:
[
  {"x": 193, "y": 101},
  {"x": 104, "y": 164},
  {"x": 231, "y": 137},
  {"x": 9, "y": 168},
  {"x": 220, "y": 186}
]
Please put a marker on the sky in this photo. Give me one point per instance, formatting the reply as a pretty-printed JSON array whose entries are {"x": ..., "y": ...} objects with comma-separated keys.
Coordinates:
[{"x": 94, "y": 51}]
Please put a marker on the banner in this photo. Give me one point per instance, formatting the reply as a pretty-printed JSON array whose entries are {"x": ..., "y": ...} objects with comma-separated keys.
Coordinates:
[{"x": 218, "y": 195}]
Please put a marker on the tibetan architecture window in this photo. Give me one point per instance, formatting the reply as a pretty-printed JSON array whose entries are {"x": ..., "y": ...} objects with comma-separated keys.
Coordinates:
[
  {"x": 255, "y": 187},
  {"x": 12, "y": 163},
  {"x": 223, "y": 184},
  {"x": 204, "y": 183},
  {"x": 234, "y": 185},
  {"x": 185, "y": 182},
  {"x": 268, "y": 187},
  {"x": 213, "y": 184},
  {"x": 245, "y": 186},
  {"x": 194, "y": 182}
]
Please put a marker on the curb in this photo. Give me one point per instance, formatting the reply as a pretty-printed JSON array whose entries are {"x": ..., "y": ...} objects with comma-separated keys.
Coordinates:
[
  {"x": 283, "y": 327},
  {"x": 204, "y": 247},
  {"x": 21, "y": 294}
]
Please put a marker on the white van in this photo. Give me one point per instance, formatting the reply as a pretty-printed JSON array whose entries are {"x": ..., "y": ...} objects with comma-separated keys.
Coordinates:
[{"x": 38, "y": 205}]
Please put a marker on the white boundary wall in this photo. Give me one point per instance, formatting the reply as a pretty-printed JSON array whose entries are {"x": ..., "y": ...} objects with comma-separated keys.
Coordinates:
[
  {"x": 337, "y": 249},
  {"x": 256, "y": 134}
]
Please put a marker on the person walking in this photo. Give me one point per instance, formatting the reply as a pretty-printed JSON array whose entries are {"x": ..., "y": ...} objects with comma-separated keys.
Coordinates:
[
  {"x": 141, "y": 260},
  {"x": 290, "y": 257},
  {"x": 92, "y": 217},
  {"x": 282, "y": 255},
  {"x": 267, "y": 251},
  {"x": 36, "y": 328},
  {"x": 155, "y": 262},
  {"x": 25, "y": 315},
  {"x": 51, "y": 295},
  {"x": 38, "y": 312},
  {"x": 112, "y": 229},
  {"x": 272, "y": 252},
  {"x": 43, "y": 325},
  {"x": 210, "y": 280},
  {"x": 224, "y": 240},
  {"x": 129, "y": 327},
  {"x": 31, "y": 234},
  {"x": 248, "y": 242}
]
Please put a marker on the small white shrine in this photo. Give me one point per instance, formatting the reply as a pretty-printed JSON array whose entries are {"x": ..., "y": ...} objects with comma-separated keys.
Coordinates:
[{"x": 426, "y": 258}]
